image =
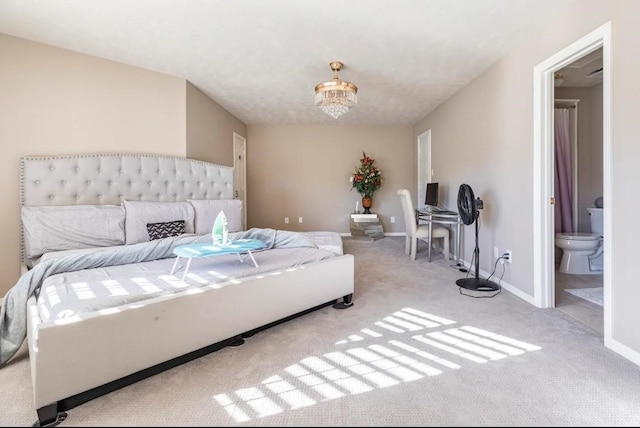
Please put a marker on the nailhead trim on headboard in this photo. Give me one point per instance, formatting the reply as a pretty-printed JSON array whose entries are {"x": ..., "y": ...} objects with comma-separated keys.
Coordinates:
[{"x": 100, "y": 179}]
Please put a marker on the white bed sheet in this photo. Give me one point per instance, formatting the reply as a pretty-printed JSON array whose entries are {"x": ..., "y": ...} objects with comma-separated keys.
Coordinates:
[
  {"x": 65, "y": 296},
  {"x": 331, "y": 241}
]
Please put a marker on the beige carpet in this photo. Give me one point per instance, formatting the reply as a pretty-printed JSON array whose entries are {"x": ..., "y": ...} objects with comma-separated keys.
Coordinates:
[{"x": 412, "y": 351}]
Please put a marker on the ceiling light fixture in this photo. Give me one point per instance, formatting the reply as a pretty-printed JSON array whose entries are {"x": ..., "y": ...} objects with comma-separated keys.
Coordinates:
[
  {"x": 558, "y": 79},
  {"x": 336, "y": 97}
]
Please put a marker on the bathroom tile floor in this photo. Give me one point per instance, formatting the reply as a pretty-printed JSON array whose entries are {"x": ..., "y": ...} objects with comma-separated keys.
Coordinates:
[{"x": 583, "y": 310}]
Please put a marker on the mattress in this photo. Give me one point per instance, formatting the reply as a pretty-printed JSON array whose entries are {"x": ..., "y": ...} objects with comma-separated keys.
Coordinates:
[{"x": 65, "y": 297}]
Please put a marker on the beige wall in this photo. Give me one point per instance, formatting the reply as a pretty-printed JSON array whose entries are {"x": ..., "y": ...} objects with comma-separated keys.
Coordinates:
[
  {"x": 483, "y": 136},
  {"x": 62, "y": 102},
  {"x": 476, "y": 140},
  {"x": 58, "y": 102},
  {"x": 303, "y": 171},
  {"x": 210, "y": 129}
]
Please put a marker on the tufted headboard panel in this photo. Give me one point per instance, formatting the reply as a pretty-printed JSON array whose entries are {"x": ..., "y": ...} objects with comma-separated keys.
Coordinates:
[
  {"x": 100, "y": 179},
  {"x": 108, "y": 179}
]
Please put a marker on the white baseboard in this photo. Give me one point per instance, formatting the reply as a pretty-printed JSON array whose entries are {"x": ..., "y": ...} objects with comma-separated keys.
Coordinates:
[
  {"x": 509, "y": 287},
  {"x": 624, "y": 350},
  {"x": 503, "y": 284}
]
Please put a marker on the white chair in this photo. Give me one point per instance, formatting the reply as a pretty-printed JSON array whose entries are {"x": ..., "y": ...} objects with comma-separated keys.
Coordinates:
[{"x": 415, "y": 231}]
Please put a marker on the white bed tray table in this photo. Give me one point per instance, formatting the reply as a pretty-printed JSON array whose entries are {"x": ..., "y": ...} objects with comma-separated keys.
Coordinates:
[{"x": 238, "y": 246}]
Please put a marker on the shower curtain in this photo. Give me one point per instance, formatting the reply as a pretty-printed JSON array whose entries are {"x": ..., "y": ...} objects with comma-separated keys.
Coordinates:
[{"x": 563, "y": 172}]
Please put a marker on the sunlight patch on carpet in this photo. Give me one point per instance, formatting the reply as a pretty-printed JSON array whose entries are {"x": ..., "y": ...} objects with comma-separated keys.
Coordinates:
[{"x": 369, "y": 360}]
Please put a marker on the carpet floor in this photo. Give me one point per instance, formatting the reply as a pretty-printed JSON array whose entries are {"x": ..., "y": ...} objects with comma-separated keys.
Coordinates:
[{"x": 411, "y": 351}]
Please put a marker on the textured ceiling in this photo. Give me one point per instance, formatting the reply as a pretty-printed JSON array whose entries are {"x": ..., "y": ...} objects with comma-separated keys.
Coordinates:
[{"x": 261, "y": 59}]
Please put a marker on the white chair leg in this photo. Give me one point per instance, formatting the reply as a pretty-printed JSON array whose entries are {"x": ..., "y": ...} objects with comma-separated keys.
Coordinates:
[
  {"x": 414, "y": 247},
  {"x": 407, "y": 245}
]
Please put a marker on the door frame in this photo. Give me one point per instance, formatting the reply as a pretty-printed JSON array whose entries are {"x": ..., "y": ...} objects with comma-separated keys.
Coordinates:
[
  {"x": 543, "y": 226},
  {"x": 424, "y": 145},
  {"x": 240, "y": 162}
]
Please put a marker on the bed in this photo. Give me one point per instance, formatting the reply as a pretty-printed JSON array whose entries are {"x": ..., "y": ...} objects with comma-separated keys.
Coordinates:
[{"x": 81, "y": 347}]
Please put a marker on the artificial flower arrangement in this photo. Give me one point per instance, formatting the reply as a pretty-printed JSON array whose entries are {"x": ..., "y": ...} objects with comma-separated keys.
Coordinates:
[{"x": 366, "y": 178}]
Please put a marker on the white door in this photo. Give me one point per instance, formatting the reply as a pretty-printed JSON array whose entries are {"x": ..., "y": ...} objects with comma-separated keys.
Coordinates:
[
  {"x": 424, "y": 166},
  {"x": 240, "y": 173}
]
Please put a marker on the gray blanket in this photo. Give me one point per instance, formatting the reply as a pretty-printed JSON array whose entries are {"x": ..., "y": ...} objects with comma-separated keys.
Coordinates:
[{"x": 13, "y": 313}]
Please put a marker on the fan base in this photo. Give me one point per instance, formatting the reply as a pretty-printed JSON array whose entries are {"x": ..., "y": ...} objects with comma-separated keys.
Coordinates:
[{"x": 477, "y": 284}]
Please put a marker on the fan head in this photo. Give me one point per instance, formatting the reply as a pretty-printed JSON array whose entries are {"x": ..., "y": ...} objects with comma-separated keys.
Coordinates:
[{"x": 467, "y": 204}]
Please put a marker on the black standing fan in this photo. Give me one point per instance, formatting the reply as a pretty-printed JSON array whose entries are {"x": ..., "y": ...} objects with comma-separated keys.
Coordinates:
[{"x": 468, "y": 206}]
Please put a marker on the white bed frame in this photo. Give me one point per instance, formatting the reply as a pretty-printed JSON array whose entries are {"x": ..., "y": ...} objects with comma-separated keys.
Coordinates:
[{"x": 74, "y": 362}]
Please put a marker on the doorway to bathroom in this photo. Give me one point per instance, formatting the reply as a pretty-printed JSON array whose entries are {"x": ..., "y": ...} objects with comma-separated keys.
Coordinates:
[
  {"x": 549, "y": 286},
  {"x": 578, "y": 188}
]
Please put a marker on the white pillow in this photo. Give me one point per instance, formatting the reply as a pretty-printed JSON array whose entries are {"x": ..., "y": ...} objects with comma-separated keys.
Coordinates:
[
  {"x": 71, "y": 227},
  {"x": 206, "y": 211},
  {"x": 141, "y": 213}
]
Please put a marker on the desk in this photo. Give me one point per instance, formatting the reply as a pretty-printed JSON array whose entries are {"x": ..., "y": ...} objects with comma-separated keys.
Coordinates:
[
  {"x": 441, "y": 217},
  {"x": 238, "y": 247}
]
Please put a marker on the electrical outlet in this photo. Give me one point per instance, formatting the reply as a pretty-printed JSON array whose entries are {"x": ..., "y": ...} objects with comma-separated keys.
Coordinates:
[
  {"x": 299, "y": 219},
  {"x": 508, "y": 256},
  {"x": 286, "y": 220},
  {"x": 496, "y": 253},
  {"x": 393, "y": 219}
]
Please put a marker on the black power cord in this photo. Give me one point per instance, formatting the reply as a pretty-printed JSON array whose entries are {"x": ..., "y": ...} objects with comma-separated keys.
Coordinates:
[
  {"x": 460, "y": 266},
  {"x": 495, "y": 266}
]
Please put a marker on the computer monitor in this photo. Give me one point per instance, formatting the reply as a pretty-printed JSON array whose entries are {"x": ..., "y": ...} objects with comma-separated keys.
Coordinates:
[{"x": 431, "y": 198}]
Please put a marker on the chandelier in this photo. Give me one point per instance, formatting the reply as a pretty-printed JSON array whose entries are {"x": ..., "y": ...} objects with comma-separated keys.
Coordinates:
[{"x": 336, "y": 97}]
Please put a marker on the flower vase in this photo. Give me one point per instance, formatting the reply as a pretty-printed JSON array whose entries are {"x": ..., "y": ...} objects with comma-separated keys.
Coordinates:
[{"x": 366, "y": 204}]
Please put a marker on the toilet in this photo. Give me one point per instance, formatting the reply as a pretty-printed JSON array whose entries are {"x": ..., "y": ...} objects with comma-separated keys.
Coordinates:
[{"x": 582, "y": 252}]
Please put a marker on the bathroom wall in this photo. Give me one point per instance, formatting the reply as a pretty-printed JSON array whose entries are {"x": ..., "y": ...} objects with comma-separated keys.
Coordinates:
[{"x": 590, "y": 179}]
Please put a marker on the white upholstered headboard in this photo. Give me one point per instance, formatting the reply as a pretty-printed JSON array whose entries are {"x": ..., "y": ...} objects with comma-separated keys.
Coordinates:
[
  {"x": 100, "y": 179},
  {"x": 108, "y": 179}
]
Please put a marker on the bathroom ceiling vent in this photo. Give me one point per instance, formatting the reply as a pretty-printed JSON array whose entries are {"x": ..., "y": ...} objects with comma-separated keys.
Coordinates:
[{"x": 595, "y": 74}]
